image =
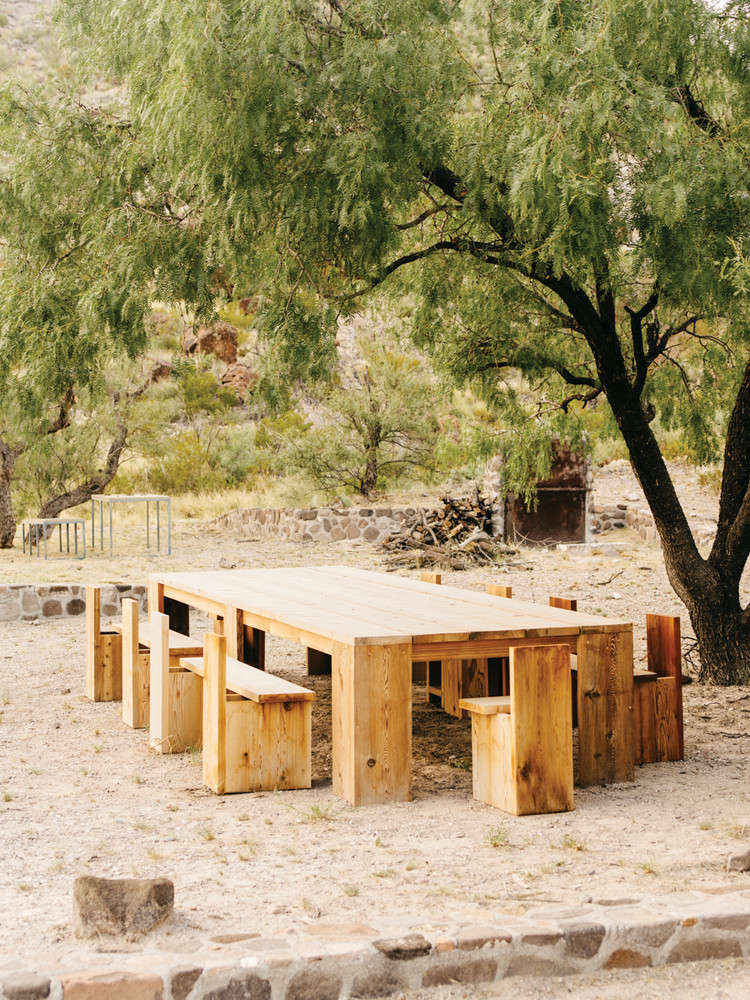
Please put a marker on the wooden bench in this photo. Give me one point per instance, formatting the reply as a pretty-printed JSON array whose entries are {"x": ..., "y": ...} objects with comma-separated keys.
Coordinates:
[
  {"x": 657, "y": 694},
  {"x": 256, "y": 727},
  {"x": 136, "y": 656},
  {"x": 103, "y": 653},
  {"x": 522, "y": 743}
]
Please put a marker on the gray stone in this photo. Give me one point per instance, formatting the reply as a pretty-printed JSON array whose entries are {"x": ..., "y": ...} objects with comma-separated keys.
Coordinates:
[
  {"x": 128, "y": 906},
  {"x": 248, "y": 987},
  {"x": 375, "y": 984},
  {"x": 699, "y": 949},
  {"x": 307, "y": 515},
  {"x": 472, "y": 938},
  {"x": 182, "y": 982},
  {"x": 26, "y": 986},
  {"x": 314, "y": 984},
  {"x": 9, "y": 609},
  {"x": 75, "y": 607},
  {"x": 51, "y": 609},
  {"x": 370, "y": 534},
  {"x": 404, "y": 948},
  {"x": 530, "y": 965},
  {"x": 481, "y": 970},
  {"x": 739, "y": 861},
  {"x": 583, "y": 942},
  {"x": 29, "y": 601},
  {"x": 542, "y": 940},
  {"x": 730, "y": 922}
]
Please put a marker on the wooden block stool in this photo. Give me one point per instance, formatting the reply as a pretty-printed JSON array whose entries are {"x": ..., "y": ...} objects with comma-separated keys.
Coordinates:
[
  {"x": 176, "y": 695},
  {"x": 522, "y": 745},
  {"x": 103, "y": 653},
  {"x": 136, "y": 663},
  {"x": 657, "y": 694},
  {"x": 259, "y": 739}
]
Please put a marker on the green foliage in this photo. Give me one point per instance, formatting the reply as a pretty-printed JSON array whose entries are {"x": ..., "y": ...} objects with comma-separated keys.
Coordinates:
[
  {"x": 186, "y": 467},
  {"x": 374, "y": 428}
]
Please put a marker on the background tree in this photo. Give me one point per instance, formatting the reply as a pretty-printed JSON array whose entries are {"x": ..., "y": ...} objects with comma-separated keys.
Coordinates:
[
  {"x": 380, "y": 422},
  {"x": 564, "y": 185}
]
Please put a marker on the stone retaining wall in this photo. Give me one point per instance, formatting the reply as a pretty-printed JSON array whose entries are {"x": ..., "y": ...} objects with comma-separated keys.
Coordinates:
[
  {"x": 29, "y": 602},
  {"x": 339, "y": 961},
  {"x": 321, "y": 524},
  {"x": 622, "y": 515}
]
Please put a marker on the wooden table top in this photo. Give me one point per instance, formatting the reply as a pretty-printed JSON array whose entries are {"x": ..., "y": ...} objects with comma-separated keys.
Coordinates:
[{"x": 360, "y": 607}]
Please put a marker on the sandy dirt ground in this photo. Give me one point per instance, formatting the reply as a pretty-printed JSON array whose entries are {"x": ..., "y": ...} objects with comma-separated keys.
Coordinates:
[{"x": 80, "y": 793}]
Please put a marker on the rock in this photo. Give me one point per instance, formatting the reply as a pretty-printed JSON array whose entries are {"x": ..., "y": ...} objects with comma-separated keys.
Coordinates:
[
  {"x": 739, "y": 861},
  {"x": 219, "y": 339},
  {"x": 26, "y": 986},
  {"x": 239, "y": 378},
  {"x": 127, "y": 906},
  {"x": 407, "y": 947}
]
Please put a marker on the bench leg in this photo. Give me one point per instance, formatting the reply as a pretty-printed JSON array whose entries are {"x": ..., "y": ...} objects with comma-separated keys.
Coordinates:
[
  {"x": 268, "y": 746},
  {"x": 605, "y": 707},
  {"x": 103, "y": 654},
  {"x": 215, "y": 712},
  {"x": 371, "y": 702},
  {"x": 135, "y": 670},
  {"x": 176, "y": 696}
]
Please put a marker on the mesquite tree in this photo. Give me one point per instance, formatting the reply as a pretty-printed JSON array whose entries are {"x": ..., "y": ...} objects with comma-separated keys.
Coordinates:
[{"x": 563, "y": 186}]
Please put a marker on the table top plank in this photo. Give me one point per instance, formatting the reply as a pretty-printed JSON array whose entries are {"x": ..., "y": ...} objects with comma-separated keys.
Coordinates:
[{"x": 362, "y": 607}]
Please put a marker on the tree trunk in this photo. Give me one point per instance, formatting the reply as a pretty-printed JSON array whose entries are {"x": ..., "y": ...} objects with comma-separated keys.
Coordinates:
[
  {"x": 723, "y": 640},
  {"x": 8, "y": 458}
]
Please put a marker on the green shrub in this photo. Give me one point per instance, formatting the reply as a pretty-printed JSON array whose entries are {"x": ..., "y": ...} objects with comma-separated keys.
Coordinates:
[{"x": 186, "y": 467}]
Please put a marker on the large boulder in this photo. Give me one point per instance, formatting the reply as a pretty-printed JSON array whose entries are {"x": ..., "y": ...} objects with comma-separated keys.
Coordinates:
[
  {"x": 219, "y": 339},
  {"x": 127, "y": 907}
]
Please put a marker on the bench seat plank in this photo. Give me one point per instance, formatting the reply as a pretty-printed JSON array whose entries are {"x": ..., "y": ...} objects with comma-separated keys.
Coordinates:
[
  {"x": 179, "y": 644},
  {"x": 253, "y": 684},
  {"x": 486, "y": 706}
]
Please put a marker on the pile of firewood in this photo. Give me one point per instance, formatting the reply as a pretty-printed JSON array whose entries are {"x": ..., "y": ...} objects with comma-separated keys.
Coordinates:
[{"x": 455, "y": 535}]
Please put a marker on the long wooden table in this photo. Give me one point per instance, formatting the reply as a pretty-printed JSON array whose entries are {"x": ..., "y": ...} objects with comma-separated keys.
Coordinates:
[{"x": 375, "y": 625}]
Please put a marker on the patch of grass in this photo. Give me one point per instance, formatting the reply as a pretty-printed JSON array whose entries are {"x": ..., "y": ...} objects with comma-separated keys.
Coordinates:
[
  {"x": 7, "y": 796},
  {"x": 705, "y": 824},
  {"x": 570, "y": 843},
  {"x": 172, "y": 808},
  {"x": 386, "y": 873},
  {"x": 97, "y": 747},
  {"x": 243, "y": 817},
  {"x": 137, "y": 779},
  {"x": 497, "y": 837},
  {"x": 460, "y": 763},
  {"x": 319, "y": 812},
  {"x": 350, "y": 889},
  {"x": 195, "y": 753},
  {"x": 737, "y": 831},
  {"x": 153, "y": 854},
  {"x": 206, "y": 831},
  {"x": 647, "y": 867}
]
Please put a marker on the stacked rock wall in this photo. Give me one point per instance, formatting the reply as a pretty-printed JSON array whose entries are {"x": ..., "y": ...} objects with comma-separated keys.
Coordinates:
[
  {"x": 639, "y": 519},
  {"x": 321, "y": 524},
  {"x": 30, "y": 602}
]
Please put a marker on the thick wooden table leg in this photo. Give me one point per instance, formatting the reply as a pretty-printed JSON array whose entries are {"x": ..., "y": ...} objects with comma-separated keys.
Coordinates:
[
  {"x": 605, "y": 707},
  {"x": 371, "y": 693}
]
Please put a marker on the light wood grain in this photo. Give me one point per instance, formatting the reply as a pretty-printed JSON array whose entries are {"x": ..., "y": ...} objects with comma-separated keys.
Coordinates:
[
  {"x": 103, "y": 653},
  {"x": 135, "y": 670},
  {"x": 215, "y": 713},
  {"x": 522, "y": 746},
  {"x": 372, "y": 723},
  {"x": 605, "y": 708},
  {"x": 499, "y": 590},
  {"x": 176, "y": 710},
  {"x": 664, "y": 651}
]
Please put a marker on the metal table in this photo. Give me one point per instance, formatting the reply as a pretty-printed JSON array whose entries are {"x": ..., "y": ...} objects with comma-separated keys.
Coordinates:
[
  {"x": 40, "y": 525},
  {"x": 148, "y": 499}
]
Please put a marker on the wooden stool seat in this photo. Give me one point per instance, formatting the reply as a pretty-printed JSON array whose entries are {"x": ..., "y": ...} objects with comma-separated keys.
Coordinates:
[
  {"x": 657, "y": 694},
  {"x": 522, "y": 745}
]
